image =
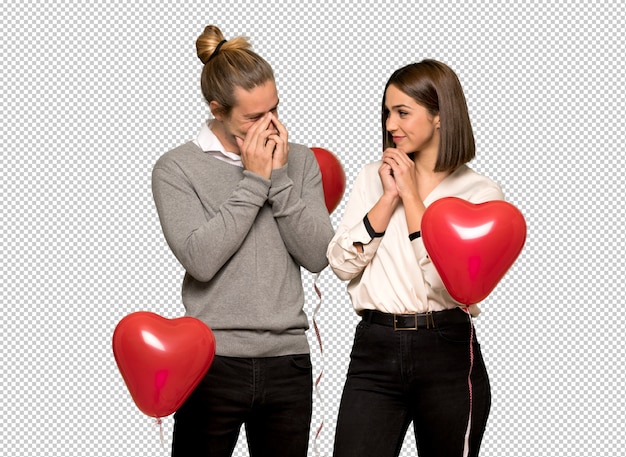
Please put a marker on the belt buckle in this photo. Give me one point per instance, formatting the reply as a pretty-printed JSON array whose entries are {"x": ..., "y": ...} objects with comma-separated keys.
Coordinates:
[{"x": 395, "y": 322}]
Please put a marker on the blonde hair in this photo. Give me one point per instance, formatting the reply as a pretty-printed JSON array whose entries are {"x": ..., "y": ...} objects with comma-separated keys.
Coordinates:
[{"x": 234, "y": 65}]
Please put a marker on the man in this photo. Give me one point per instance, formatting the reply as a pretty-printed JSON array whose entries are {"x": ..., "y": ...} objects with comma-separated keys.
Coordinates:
[{"x": 243, "y": 210}]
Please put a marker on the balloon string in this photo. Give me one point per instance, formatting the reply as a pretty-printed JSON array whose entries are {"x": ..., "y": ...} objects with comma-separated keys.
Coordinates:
[
  {"x": 469, "y": 384},
  {"x": 159, "y": 422},
  {"x": 318, "y": 379}
]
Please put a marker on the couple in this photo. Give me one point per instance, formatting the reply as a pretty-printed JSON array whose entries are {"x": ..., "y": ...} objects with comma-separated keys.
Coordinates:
[{"x": 243, "y": 210}]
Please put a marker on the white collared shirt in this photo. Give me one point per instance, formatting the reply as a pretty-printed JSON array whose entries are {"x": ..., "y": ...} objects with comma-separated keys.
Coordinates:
[{"x": 208, "y": 142}]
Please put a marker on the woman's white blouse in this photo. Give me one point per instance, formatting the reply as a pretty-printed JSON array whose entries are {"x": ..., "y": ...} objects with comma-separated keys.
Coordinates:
[{"x": 394, "y": 274}]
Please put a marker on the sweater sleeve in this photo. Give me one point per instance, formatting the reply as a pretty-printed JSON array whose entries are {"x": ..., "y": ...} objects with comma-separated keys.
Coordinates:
[
  {"x": 202, "y": 243},
  {"x": 302, "y": 218}
]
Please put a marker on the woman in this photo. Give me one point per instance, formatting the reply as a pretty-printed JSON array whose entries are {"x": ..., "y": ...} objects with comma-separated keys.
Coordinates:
[
  {"x": 243, "y": 210},
  {"x": 411, "y": 358}
]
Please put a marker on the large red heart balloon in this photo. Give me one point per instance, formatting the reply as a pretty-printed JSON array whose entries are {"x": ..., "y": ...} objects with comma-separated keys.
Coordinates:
[
  {"x": 472, "y": 245},
  {"x": 333, "y": 177},
  {"x": 162, "y": 360}
]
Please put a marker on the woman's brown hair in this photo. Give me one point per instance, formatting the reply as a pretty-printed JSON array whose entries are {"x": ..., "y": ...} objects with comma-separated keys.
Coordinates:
[
  {"x": 435, "y": 86},
  {"x": 233, "y": 65}
]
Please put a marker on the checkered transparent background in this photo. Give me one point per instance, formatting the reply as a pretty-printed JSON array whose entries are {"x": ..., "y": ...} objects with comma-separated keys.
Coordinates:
[{"x": 93, "y": 94}]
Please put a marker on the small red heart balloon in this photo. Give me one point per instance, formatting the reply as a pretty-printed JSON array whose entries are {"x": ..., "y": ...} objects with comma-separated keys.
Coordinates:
[
  {"x": 472, "y": 245},
  {"x": 162, "y": 360},
  {"x": 333, "y": 177}
]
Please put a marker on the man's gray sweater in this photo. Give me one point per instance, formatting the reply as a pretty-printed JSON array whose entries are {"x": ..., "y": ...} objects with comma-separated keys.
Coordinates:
[{"x": 242, "y": 240}]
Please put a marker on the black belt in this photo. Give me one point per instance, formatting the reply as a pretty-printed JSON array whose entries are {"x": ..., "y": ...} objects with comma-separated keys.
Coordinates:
[{"x": 432, "y": 319}]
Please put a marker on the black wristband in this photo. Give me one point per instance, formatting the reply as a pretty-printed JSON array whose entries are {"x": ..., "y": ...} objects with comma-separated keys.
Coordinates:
[
  {"x": 371, "y": 232},
  {"x": 415, "y": 235}
]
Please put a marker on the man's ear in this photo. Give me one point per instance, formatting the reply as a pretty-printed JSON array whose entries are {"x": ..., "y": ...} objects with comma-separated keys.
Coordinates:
[{"x": 216, "y": 110}]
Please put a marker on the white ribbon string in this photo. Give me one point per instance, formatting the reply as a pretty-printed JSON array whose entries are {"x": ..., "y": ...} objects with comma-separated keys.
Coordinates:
[
  {"x": 318, "y": 379},
  {"x": 469, "y": 385},
  {"x": 159, "y": 422}
]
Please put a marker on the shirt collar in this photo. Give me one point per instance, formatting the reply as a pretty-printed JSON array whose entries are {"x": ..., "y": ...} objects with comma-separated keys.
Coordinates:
[{"x": 208, "y": 142}]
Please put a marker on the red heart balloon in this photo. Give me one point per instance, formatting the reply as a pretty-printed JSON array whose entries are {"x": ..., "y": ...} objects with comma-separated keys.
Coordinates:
[
  {"x": 162, "y": 360},
  {"x": 333, "y": 177},
  {"x": 472, "y": 245}
]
